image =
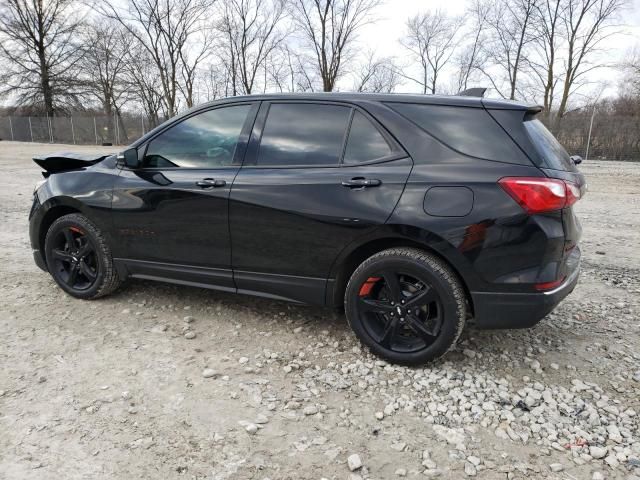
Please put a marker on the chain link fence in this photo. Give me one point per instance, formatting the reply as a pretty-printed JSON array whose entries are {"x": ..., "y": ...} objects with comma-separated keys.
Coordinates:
[
  {"x": 75, "y": 129},
  {"x": 591, "y": 136}
]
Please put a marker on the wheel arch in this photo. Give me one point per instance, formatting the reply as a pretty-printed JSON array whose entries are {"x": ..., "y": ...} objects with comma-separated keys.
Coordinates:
[
  {"x": 354, "y": 255},
  {"x": 55, "y": 210}
]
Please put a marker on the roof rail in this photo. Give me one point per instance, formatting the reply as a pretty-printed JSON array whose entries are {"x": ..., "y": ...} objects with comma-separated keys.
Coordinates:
[{"x": 472, "y": 92}]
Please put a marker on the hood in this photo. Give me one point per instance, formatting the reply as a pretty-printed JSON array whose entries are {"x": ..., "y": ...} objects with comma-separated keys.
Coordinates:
[{"x": 59, "y": 162}]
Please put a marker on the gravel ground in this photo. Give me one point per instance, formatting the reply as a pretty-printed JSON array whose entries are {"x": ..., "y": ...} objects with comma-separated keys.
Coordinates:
[{"x": 160, "y": 381}]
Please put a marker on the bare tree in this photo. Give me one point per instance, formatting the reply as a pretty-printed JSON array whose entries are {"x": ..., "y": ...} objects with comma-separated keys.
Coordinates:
[
  {"x": 377, "y": 75},
  {"x": 214, "y": 81},
  {"x": 472, "y": 57},
  {"x": 190, "y": 62},
  {"x": 585, "y": 24},
  {"x": 511, "y": 34},
  {"x": 144, "y": 84},
  {"x": 548, "y": 45},
  {"x": 287, "y": 71},
  {"x": 166, "y": 29},
  {"x": 251, "y": 31},
  {"x": 432, "y": 39},
  {"x": 104, "y": 64},
  {"x": 631, "y": 68},
  {"x": 37, "y": 45},
  {"x": 329, "y": 29}
]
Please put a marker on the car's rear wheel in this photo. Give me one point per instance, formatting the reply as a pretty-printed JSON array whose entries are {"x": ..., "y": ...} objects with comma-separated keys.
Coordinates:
[
  {"x": 405, "y": 305},
  {"x": 79, "y": 258}
]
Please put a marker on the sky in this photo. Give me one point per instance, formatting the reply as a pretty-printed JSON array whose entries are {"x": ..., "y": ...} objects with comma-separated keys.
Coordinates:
[{"x": 382, "y": 37}]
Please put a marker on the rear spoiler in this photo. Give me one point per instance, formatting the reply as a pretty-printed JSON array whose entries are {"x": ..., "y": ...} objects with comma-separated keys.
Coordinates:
[
  {"x": 472, "y": 92},
  {"x": 496, "y": 104},
  {"x": 59, "y": 162}
]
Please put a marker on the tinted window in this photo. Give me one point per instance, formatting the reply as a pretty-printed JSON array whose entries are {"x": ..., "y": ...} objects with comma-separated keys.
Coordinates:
[
  {"x": 206, "y": 140},
  {"x": 303, "y": 134},
  {"x": 554, "y": 154},
  {"x": 365, "y": 142},
  {"x": 468, "y": 130}
]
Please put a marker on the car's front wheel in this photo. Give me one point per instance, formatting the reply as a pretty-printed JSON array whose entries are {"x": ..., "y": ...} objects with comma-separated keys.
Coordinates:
[
  {"x": 406, "y": 305},
  {"x": 79, "y": 258}
]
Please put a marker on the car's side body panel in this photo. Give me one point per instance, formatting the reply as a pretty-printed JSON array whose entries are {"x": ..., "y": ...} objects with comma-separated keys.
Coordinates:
[
  {"x": 87, "y": 190},
  {"x": 273, "y": 235},
  {"x": 165, "y": 224}
]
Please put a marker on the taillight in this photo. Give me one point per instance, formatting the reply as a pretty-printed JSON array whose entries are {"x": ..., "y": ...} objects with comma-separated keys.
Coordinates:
[
  {"x": 548, "y": 285},
  {"x": 573, "y": 193},
  {"x": 538, "y": 194}
]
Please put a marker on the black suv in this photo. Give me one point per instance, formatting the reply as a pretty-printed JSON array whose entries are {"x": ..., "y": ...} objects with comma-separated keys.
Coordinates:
[{"x": 415, "y": 213}]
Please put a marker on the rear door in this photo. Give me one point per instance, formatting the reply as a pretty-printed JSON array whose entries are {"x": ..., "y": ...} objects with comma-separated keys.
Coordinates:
[{"x": 316, "y": 176}]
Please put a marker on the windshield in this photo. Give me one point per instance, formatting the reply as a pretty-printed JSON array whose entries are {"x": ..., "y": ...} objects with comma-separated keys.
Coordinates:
[{"x": 554, "y": 154}]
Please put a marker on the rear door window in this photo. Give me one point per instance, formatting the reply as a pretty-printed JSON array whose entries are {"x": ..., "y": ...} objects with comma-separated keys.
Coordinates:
[
  {"x": 365, "y": 142},
  {"x": 551, "y": 151},
  {"x": 303, "y": 134}
]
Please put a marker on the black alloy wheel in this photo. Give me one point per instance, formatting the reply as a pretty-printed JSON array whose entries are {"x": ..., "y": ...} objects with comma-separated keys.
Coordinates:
[
  {"x": 406, "y": 305},
  {"x": 74, "y": 258},
  {"x": 399, "y": 311},
  {"x": 79, "y": 258}
]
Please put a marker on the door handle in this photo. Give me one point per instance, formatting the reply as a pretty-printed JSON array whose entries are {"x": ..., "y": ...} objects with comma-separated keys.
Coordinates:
[
  {"x": 211, "y": 183},
  {"x": 361, "y": 182}
]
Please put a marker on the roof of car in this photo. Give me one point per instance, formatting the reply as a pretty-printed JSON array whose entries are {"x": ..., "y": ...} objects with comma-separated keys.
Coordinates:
[{"x": 451, "y": 100}]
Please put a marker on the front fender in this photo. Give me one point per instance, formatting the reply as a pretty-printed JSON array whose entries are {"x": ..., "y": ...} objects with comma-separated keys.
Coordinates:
[{"x": 87, "y": 191}]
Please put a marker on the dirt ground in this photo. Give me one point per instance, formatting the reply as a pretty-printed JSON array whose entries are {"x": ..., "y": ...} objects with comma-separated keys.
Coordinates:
[{"x": 266, "y": 390}]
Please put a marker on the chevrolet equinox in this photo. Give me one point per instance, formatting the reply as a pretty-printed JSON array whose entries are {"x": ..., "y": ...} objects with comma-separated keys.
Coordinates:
[{"x": 416, "y": 213}]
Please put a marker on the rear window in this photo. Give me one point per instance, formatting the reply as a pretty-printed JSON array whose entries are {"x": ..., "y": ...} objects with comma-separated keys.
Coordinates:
[
  {"x": 553, "y": 154},
  {"x": 468, "y": 130}
]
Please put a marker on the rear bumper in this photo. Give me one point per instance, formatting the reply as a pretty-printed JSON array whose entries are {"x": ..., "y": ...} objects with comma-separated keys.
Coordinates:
[{"x": 520, "y": 310}]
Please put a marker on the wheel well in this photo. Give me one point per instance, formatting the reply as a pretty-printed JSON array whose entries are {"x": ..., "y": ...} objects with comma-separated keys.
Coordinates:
[
  {"x": 51, "y": 216},
  {"x": 365, "y": 251}
]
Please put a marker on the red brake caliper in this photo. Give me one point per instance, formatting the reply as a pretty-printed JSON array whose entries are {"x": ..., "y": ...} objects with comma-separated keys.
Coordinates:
[
  {"x": 366, "y": 287},
  {"x": 77, "y": 230}
]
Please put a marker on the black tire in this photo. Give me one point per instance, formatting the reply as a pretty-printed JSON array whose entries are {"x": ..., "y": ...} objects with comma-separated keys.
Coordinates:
[
  {"x": 414, "y": 335},
  {"x": 79, "y": 258}
]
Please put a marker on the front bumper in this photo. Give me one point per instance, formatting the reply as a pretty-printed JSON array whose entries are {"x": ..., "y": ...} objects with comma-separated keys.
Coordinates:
[
  {"x": 35, "y": 220},
  {"x": 522, "y": 310},
  {"x": 39, "y": 260}
]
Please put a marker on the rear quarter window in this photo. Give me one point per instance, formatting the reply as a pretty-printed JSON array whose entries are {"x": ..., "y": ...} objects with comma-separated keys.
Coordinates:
[
  {"x": 365, "y": 142},
  {"x": 468, "y": 130}
]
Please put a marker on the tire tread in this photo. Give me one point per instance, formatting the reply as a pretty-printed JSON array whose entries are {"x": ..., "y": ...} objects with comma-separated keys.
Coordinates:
[
  {"x": 439, "y": 267},
  {"x": 110, "y": 279}
]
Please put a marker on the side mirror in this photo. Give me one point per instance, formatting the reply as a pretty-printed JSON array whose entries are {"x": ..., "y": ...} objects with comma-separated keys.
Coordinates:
[
  {"x": 130, "y": 158},
  {"x": 576, "y": 159}
]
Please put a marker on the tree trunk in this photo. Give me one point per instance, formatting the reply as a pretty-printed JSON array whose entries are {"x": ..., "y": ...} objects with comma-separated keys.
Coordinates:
[
  {"x": 122, "y": 130},
  {"x": 45, "y": 82},
  {"x": 108, "y": 111}
]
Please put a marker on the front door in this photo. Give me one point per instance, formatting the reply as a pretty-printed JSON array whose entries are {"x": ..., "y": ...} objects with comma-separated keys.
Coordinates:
[
  {"x": 171, "y": 215},
  {"x": 316, "y": 176}
]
